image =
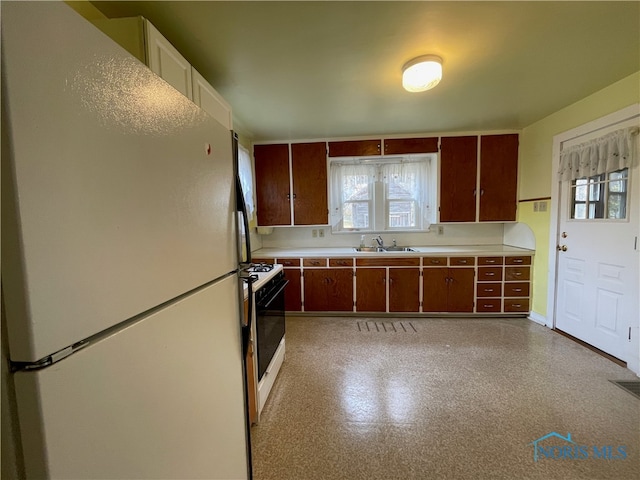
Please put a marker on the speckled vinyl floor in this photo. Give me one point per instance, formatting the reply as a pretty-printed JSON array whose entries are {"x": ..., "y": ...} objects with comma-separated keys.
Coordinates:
[{"x": 454, "y": 399}]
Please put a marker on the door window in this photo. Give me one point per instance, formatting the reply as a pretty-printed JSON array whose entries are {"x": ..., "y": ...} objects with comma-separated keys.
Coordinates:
[{"x": 601, "y": 196}]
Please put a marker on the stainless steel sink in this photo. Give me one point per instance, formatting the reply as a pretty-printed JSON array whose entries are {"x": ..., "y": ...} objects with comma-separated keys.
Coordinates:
[
  {"x": 399, "y": 249},
  {"x": 384, "y": 249}
]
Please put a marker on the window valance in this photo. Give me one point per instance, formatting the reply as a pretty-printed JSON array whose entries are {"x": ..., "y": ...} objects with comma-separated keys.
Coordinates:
[{"x": 611, "y": 152}]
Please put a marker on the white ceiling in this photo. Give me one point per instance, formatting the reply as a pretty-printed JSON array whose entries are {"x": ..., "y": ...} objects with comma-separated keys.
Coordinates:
[{"x": 302, "y": 70}]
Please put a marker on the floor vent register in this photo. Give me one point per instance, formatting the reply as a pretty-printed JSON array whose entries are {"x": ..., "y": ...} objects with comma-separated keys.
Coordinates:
[{"x": 386, "y": 327}]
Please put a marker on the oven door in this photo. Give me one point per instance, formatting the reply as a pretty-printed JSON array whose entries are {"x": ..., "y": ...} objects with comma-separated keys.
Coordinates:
[{"x": 269, "y": 322}]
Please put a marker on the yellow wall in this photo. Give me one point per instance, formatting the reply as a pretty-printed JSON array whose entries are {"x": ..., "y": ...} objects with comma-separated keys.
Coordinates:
[{"x": 535, "y": 167}]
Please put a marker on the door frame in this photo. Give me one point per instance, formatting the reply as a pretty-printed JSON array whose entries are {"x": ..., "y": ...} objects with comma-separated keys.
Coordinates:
[{"x": 627, "y": 113}]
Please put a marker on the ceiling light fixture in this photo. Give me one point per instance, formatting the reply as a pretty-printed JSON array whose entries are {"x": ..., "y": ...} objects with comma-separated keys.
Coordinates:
[{"x": 422, "y": 73}]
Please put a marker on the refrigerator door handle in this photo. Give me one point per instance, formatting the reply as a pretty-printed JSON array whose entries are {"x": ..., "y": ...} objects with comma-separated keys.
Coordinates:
[{"x": 241, "y": 209}]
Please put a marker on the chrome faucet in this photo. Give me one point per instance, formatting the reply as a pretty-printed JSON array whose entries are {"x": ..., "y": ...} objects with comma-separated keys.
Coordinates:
[{"x": 379, "y": 240}]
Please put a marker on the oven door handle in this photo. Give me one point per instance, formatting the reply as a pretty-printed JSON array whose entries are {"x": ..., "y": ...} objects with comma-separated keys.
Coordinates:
[
  {"x": 245, "y": 328},
  {"x": 273, "y": 296}
]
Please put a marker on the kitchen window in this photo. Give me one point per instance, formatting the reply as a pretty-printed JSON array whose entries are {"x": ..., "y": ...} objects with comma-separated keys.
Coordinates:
[{"x": 382, "y": 194}]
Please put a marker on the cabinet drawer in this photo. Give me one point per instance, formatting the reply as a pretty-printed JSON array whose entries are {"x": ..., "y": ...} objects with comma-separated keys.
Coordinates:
[
  {"x": 516, "y": 273},
  {"x": 314, "y": 262},
  {"x": 488, "y": 274},
  {"x": 263, "y": 260},
  {"x": 462, "y": 261},
  {"x": 289, "y": 262},
  {"x": 341, "y": 262},
  {"x": 489, "y": 290},
  {"x": 490, "y": 260},
  {"x": 516, "y": 289},
  {"x": 434, "y": 261},
  {"x": 524, "y": 260},
  {"x": 488, "y": 305},
  {"x": 388, "y": 262},
  {"x": 516, "y": 305}
]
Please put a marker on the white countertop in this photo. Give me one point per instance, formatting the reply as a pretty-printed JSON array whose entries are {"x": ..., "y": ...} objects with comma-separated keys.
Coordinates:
[{"x": 449, "y": 250}]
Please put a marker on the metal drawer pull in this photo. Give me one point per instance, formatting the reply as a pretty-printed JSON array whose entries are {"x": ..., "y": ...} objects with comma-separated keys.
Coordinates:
[
  {"x": 488, "y": 289},
  {"x": 517, "y": 289},
  {"x": 517, "y": 305},
  {"x": 517, "y": 274},
  {"x": 463, "y": 261},
  {"x": 491, "y": 261},
  {"x": 490, "y": 274},
  {"x": 517, "y": 260},
  {"x": 487, "y": 305}
]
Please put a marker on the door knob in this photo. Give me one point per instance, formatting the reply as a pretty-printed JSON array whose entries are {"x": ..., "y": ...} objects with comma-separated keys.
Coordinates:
[{"x": 561, "y": 247}]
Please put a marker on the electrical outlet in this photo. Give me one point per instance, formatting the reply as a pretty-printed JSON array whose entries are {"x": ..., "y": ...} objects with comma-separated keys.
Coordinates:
[
  {"x": 321, "y": 233},
  {"x": 543, "y": 206},
  {"x": 314, "y": 233},
  {"x": 440, "y": 230}
]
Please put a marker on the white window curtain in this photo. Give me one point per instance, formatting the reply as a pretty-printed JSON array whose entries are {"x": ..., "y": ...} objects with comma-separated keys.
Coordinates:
[
  {"x": 413, "y": 175},
  {"x": 338, "y": 171},
  {"x": 245, "y": 172},
  {"x": 608, "y": 153}
]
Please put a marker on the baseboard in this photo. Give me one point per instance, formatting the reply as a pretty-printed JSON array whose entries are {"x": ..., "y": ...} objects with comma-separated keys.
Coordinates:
[{"x": 538, "y": 318}]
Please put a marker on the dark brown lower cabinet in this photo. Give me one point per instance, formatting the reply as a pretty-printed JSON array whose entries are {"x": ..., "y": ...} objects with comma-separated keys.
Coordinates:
[
  {"x": 328, "y": 290},
  {"x": 293, "y": 292},
  {"x": 404, "y": 289},
  {"x": 448, "y": 290},
  {"x": 371, "y": 289}
]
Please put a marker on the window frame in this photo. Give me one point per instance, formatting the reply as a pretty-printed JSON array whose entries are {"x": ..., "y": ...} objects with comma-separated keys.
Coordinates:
[
  {"x": 600, "y": 184},
  {"x": 380, "y": 200}
]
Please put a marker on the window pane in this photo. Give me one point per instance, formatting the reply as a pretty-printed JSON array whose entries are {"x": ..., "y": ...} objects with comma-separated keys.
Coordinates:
[
  {"x": 356, "y": 215},
  {"x": 579, "y": 211},
  {"x": 401, "y": 188},
  {"x": 402, "y": 214},
  {"x": 355, "y": 187}
]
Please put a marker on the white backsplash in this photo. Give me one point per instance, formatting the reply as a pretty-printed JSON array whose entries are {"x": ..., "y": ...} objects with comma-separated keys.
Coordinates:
[{"x": 453, "y": 234}]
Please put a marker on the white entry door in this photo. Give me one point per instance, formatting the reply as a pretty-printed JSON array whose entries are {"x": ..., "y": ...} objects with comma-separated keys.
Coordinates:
[{"x": 597, "y": 257}]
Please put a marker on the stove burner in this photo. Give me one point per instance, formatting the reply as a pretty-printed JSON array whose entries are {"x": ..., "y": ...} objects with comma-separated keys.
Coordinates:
[{"x": 261, "y": 267}]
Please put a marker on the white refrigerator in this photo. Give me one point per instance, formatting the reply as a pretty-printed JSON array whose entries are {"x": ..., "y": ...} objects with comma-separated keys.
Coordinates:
[{"x": 119, "y": 262}]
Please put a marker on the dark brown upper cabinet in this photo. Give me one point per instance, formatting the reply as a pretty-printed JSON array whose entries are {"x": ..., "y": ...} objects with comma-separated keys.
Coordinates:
[
  {"x": 394, "y": 146},
  {"x": 272, "y": 184},
  {"x": 458, "y": 178},
  {"x": 308, "y": 175},
  {"x": 354, "y": 148},
  {"x": 498, "y": 177}
]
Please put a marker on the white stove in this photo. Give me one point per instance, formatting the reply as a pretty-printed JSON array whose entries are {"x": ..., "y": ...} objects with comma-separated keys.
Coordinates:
[{"x": 261, "y": 273}]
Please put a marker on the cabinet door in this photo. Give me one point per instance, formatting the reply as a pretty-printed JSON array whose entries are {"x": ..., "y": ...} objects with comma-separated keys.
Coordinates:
[
  {"x": 205, "y": 96},
  {"x": 460, "y": 295},
  {"x": 309, "y": 173},
  {"x": 354, "y": 148},
  {"x": 404, "y": 289},
  {"x": 458, "y": 170},
  {"x": 434, "y": 289},
  {"x": 166, "y": 62},
  {"x": 293, "y": 292},
  {"x": 393, "y": 146},
  {"x": 498, "y": 177},
  {"x": 328, "y": 290},
  {"x": 371, "y": 290},
  {"x": 272, "y": 184}
]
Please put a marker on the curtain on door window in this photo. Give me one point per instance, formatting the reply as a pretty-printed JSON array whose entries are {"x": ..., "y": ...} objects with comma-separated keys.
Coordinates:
[{"x": 609, "y": 153}]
